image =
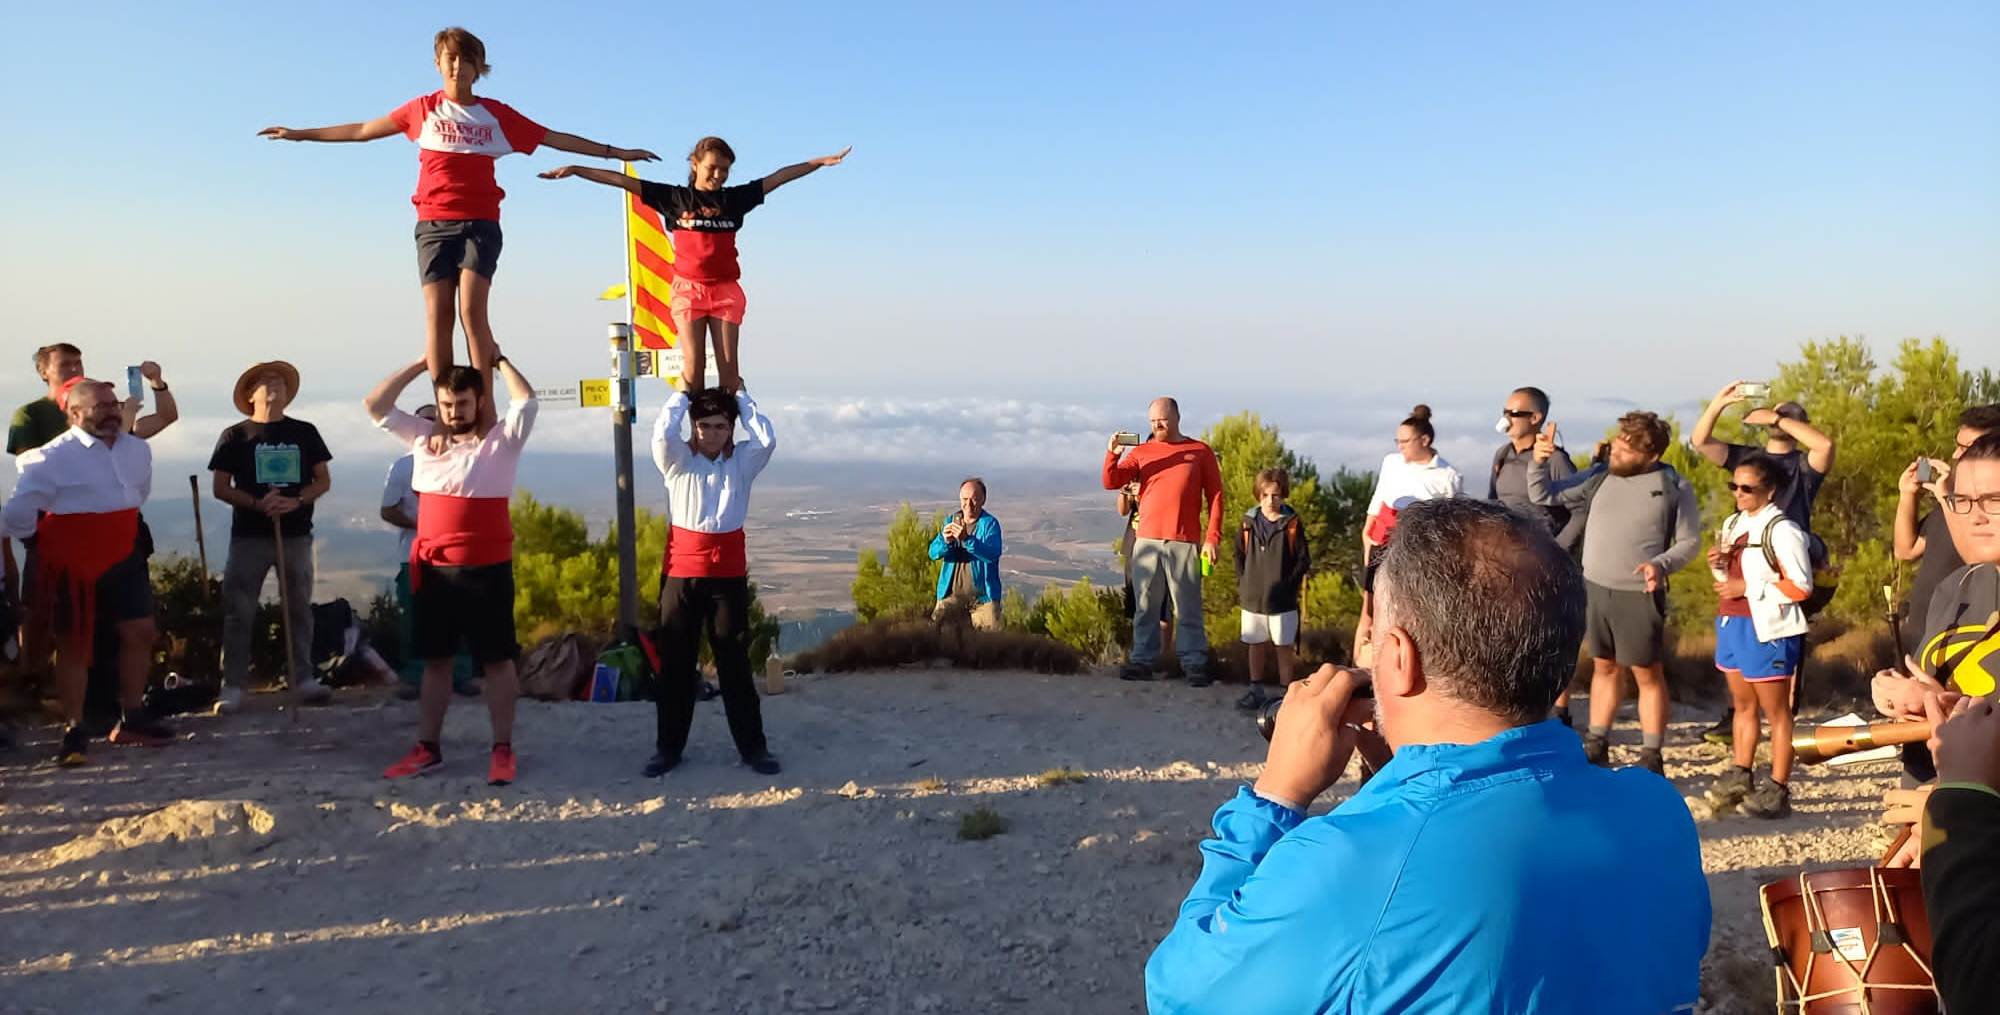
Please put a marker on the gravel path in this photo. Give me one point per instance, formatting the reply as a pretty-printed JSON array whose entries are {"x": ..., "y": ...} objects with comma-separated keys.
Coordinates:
[{"x": 263, "y": 865}]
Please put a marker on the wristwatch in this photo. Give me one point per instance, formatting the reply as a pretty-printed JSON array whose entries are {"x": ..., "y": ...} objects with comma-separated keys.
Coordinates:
[{"x": 162, "y": 386}]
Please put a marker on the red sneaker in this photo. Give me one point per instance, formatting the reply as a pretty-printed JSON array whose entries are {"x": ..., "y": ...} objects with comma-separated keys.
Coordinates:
[
  {"x": 419, "y": 759},
  {"x": 500, "y": 770}
]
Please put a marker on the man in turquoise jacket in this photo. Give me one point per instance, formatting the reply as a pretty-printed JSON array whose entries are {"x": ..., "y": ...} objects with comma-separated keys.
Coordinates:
[
  {"x": 970, "y": 548},
  {"x": 1488, "y": 867}
]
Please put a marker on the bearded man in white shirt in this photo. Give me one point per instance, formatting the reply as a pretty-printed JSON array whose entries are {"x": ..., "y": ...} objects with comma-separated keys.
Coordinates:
[{"x": 79, "y": 495}]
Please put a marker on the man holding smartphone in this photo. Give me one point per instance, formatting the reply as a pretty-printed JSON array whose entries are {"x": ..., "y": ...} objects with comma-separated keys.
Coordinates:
[{"x": 1177, "y": 476}]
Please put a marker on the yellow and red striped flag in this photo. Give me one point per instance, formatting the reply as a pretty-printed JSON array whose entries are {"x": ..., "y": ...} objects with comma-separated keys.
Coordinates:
[{"x": 649, "y": 273}]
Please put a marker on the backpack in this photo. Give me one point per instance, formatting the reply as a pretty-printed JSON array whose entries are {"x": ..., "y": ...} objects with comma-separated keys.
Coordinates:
[
  {"x": 1825, "y": 577},
  {"x": 557, "y": 669},
  {"x": 621, "y": 674}
]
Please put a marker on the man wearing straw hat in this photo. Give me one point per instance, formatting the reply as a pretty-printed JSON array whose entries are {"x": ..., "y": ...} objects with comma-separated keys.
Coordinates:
[
  {"x": 270, "y": 469},
  {"x": 79, "y": 496}
]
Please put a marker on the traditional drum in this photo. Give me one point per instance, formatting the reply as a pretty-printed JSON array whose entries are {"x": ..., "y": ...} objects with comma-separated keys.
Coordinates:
[{"x": 1850, "y": 942}]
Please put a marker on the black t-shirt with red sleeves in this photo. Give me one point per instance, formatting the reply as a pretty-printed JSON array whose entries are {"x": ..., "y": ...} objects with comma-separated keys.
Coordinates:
[{"x": 703, "y": 225}]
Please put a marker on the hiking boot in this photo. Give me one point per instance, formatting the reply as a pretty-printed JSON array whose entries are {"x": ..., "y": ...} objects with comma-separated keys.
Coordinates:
[
  {"x": 229, "y": 700},
  {"x": 1770, "y": 800},
  {"x": 1198, "y": 677},
  {"x": 141, "y": 731},
  {"x": 1253, "y": 699},
  {"x": 311, "y": 691},
  {"x": 1135, "y": 671},
  {"x": 74, "y": 745},
  {"x": 1730, "y": 790},
  {"x": 1597, "y": 750},
  {"x": 764, "y": 764},
  {"x": 1649, "y": 759},
  {"x": 1724, "y": 730},
  {"x": 419, "y": 759},
  {"x": 660, "y": 764},
  {"x": 500, "y": 769}
]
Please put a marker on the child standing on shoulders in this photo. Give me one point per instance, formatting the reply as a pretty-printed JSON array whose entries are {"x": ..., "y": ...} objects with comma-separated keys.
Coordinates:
[
  {"x": 1272, "y": 559},
  {"x": 703, "y": 218},
  {"x": 1763, "y": 571},
  {"x": 458, "y": 203}
]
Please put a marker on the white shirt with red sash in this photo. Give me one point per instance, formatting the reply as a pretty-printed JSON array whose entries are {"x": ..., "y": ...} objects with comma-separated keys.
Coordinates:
[
  {"x": 708, "y": 499},
  {"x": 79, "y": 496},
  {"x": 462, "y": 493}
]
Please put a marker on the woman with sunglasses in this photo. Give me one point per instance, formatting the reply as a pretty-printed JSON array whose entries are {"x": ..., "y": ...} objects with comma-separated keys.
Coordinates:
[{"x": 1763, "y": 571}]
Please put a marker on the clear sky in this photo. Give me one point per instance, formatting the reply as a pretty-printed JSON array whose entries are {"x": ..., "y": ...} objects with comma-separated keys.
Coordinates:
[{"x": 1063, "y": 203}]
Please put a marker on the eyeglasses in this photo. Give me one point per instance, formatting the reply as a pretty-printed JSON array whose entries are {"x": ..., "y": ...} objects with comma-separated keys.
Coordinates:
[
  {"x": 1960, "y": 504},
  {"x": 1743, "y": 487},
  {"x": 1517, "y": 413}
]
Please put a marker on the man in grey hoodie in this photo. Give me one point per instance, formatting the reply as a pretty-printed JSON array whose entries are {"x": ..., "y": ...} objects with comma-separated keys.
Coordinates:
[{"x": 1642, "y": 524}]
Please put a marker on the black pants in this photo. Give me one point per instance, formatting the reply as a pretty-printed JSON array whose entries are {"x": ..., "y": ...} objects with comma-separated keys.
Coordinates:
[{"x": 721, "y": 607}]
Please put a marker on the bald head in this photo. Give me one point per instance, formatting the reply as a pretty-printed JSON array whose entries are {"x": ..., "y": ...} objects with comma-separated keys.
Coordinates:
[
  {"x": 92, "y": 406},
  {"x": 1164, "y": 416}
]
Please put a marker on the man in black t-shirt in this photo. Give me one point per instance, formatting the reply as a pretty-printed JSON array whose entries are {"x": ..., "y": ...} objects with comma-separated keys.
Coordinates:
[
  {"x": 270, "y": 468},
  {"x": 1805, "y": 453}
]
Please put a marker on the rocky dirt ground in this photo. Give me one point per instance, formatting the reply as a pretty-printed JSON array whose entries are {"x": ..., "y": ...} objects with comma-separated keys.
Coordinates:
[{"x": 263, "y": 865}]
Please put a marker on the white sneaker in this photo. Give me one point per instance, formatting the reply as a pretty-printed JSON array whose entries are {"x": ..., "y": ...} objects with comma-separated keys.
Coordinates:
[
  {"x": 311, "y": 692},
  {"x": 229, "y": 701}
]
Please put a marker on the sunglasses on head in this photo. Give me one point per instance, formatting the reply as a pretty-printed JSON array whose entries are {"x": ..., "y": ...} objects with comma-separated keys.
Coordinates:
[{"x": 1743, "y": 487}]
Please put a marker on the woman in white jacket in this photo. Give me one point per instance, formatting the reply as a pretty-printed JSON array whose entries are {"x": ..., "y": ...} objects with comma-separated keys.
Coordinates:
[{"x": 1763, "y": 571}]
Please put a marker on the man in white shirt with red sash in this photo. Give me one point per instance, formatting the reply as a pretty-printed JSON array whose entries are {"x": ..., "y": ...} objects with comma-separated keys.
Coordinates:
[
  {"x": 79, "y": 496},
  {"x": 462, "y": 561},
  {"x": 705, "y": 580}
]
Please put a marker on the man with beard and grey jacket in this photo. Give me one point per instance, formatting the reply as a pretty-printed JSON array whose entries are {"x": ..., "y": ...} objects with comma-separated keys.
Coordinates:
[{"x": 1643, "y": 525}]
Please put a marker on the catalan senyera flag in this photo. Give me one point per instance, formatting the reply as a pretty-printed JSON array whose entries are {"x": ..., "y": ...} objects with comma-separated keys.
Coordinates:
[{"x": 649, "y": 273}]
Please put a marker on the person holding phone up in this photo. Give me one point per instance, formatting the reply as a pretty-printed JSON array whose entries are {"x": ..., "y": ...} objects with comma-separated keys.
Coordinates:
[{"x": 1177, "y": 477}]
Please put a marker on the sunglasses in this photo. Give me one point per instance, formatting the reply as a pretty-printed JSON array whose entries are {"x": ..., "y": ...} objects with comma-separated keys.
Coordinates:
[
  {"x": 1960, "y": 504},
  {"x": 1743, "y": 487},
  {"x": 1517, "y": 413}
]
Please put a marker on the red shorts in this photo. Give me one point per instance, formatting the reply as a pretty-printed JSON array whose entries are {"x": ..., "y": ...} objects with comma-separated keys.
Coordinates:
[{"x": 707, "y": 299}]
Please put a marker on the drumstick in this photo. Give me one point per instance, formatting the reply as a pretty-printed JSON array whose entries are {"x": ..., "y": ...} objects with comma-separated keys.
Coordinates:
[{"x": 1820, "y": 743}]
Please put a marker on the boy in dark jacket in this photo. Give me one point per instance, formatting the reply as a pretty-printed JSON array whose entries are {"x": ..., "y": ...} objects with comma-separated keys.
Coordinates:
[{"x": 1271, "y": 563}]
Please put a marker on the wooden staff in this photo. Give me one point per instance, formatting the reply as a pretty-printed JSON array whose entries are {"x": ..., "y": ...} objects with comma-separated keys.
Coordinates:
[
  {"x": 200, "y": 539},
  {"x": 285, "y": 608},
  {"x": 1825, "y": 742}
]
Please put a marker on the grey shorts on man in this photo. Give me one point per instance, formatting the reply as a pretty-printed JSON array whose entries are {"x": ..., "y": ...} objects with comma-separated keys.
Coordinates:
[
  {"x": 1168, "y": 570},
  {"x": 1625, "y": 625}
]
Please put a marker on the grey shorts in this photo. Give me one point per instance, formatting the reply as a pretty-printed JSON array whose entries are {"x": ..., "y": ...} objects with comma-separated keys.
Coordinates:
[
  {"x": 447, "y": 246},
  {"x": 1630, "y": 627}
]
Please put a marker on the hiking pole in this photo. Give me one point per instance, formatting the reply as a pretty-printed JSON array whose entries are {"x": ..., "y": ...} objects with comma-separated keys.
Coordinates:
[
  {"x": 200, "y": 538},
  {"x": 285, "y": 612}
]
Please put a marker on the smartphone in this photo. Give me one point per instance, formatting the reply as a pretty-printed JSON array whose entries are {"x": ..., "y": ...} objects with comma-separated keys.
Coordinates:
[
  {"x": 135, "y": 383},
  {"x": 1754, "y": 389},
  {"x": 1127, "y": 438},
  {"x": 1924, "y": 470}
]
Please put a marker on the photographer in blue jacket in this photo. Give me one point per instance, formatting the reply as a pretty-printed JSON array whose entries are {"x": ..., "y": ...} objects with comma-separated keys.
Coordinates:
[
  {"x": 1488, "y": 867},
  {"x": 969, "y": 546}
]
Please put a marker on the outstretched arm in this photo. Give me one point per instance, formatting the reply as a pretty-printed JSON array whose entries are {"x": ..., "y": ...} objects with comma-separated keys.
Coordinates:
[
  {"x": 366, "y": 130},
  {"x": 1703, "y": 434},
  {"x": 604, "y": 176},
  {"x": 790, "y": 173},
  {"x": 165, "y": 409},
  {"x": 596, "y": 149},
  {"x": 382, "y": 400}
]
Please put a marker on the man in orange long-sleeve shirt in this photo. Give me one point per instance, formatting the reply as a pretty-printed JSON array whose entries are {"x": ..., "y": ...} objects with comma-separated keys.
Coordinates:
[{"x": 1177, "y": 475}]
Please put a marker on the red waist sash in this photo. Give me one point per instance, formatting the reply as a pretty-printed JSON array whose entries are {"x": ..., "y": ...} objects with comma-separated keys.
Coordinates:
[
  {"x": 76, "y": 550},
  {"x": 460, "y": 532},
  {"x": 692, "y": 554}
]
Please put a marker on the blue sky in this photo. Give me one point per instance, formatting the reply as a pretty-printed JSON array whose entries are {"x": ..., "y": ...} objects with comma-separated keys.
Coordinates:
[{"x": 1063, "y": 203}]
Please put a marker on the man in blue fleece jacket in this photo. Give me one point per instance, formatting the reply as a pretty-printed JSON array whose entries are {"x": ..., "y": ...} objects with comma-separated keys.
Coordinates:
[{"x": 1488, "y": 867}]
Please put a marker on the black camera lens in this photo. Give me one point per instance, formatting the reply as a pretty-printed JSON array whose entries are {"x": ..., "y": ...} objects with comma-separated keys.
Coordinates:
[{"x": 1267, "y": 717}]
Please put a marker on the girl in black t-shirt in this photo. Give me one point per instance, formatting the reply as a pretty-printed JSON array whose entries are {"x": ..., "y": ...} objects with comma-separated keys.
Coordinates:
[{"x": 701, "y": 219}]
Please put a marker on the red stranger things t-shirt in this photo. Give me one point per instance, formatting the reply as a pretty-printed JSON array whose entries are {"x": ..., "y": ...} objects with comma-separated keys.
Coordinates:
[
  {"x": 703, "y": 224},
  {"x": 459, "y": 145}
]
